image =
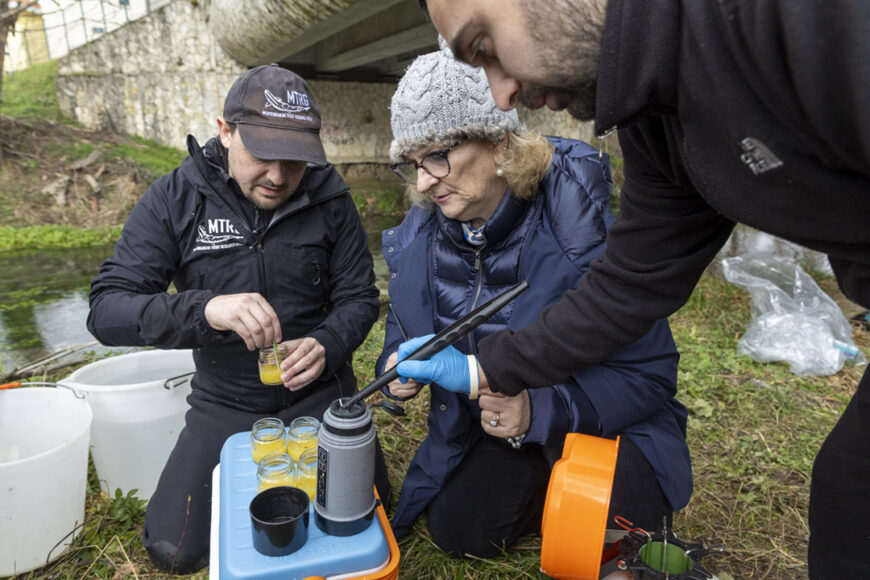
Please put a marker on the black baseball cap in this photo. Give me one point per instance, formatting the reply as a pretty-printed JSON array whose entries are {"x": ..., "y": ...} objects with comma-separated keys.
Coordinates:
[{"x": 276, "y": 115}]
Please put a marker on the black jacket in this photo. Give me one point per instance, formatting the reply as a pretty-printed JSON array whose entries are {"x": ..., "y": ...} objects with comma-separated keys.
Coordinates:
[
  {"x": 193, "y": 228},
  {"x": 731, "y": 111}
]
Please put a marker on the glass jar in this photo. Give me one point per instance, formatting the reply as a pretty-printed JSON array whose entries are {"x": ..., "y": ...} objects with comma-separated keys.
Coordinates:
[
  {"x": 270, "y": 367},
  {"x": 302, "y": 436},
  {"x": 306, "y": 472},
  {"x": 274, "y": 470},
  {"x": 267, "y": 436}
]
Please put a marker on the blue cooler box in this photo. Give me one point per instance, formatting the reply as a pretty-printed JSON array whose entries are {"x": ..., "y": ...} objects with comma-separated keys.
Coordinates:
[{"x": 322, "y": 555}]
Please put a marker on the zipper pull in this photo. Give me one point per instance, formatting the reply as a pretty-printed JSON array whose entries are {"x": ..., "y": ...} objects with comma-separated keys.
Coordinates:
[{"x": 477, "y": 260}]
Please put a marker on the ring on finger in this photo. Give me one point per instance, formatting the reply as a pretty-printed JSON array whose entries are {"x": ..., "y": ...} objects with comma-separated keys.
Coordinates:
[{"x": 494, "y": 420}]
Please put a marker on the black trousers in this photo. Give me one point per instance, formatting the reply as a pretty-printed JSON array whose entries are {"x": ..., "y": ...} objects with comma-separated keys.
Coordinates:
[
  {"x": 177, "y": 531},
  {"x": 497, "y": 494},
  {"x": 840, "y": 495}
]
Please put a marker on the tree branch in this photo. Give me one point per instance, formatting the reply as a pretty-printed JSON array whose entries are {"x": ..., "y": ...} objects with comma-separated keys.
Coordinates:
[{"x": 9, "y": 16}]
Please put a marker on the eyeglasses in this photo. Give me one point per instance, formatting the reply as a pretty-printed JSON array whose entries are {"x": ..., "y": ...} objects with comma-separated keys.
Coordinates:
[{"x": 435, "y": 164}]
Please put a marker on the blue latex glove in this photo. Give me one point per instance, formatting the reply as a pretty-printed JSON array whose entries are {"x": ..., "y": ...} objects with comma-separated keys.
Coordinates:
[{"x": 448, "y": 368}]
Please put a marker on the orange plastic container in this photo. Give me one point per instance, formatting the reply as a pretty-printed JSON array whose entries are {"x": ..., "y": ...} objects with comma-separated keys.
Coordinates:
[
  {"x": 575, "y": 511},
  {"x": 391, "y": 571}
]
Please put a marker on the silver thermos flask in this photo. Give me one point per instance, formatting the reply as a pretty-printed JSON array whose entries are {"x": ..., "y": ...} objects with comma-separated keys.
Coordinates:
[{"x": 345, "y": 502}]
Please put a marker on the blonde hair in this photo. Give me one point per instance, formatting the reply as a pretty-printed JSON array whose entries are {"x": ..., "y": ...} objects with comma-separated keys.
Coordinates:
[
  {"x": 525, "y": 162},
  {"x": 526, "y": 158}
]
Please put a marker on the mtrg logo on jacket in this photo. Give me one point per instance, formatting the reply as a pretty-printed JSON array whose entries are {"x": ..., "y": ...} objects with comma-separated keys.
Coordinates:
[{"x": 217, "y": 234}]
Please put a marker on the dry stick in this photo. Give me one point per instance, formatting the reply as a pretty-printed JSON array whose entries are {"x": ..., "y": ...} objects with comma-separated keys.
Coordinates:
[
  {"x": 123, "y": 552},
  {"x": 41, "y": 367},
  {"x": 56, "y": 355},
  {"x": 183, "y": 532},
  {"x": 19, "y": 372},
  {"x": 78, "y": 526},
  {"x": 96, "y": 559},
  {"x": 127, "y": 558}
]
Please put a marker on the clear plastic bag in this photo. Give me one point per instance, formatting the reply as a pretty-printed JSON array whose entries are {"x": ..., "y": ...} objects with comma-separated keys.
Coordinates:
[{"x": 793, "y": 320}]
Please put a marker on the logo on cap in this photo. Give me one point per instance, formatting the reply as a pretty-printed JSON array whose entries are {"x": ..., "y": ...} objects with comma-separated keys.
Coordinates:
[{"x": 296, "y": 103}]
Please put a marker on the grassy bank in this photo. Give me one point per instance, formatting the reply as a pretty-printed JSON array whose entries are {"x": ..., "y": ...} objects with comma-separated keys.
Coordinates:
[{"x": 61, "y": 185}]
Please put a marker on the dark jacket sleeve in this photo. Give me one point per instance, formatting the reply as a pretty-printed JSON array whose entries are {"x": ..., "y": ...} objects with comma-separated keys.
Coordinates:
[
  {"x": 129, "y": 303},
  {"x": 392, "y": 339},
  {"x": 624, "y": 389},
  {"x": 657, "y": 249},
  {"x": 397, "y": 238},
  {"x": 353, "y": 296}
]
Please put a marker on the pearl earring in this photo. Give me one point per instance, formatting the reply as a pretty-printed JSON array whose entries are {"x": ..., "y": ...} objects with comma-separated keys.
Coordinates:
[{"x": 499, "y": 171}]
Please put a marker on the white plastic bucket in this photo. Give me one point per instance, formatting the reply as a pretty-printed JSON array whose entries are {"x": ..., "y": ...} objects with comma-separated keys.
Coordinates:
[
  {"x": 43, "y": 475},
  {"x": 138, "y": 414}
]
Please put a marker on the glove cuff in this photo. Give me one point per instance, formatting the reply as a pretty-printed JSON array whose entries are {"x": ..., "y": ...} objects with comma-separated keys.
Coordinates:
[{"x": 473, "y": 377}]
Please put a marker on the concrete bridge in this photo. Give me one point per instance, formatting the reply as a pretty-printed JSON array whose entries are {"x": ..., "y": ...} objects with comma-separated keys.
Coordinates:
[
  {"x": 165, "y": 75},
  {"x": 343, "y": 40}
]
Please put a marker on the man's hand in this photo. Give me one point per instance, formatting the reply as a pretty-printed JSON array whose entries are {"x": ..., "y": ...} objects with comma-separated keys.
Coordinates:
[
  {"x": 248, "y": 315},
  {"x": 448, "y": 368},
  {"x": 511, "y": 415},
  {"x": 397, "y": 387},
  {"x": 306, "y": 362}
]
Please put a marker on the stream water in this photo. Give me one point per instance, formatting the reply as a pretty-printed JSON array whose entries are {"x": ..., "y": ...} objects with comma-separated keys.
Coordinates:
[
  {"x": 44, "y": 298},
  {"x": 44, "y": 294}
]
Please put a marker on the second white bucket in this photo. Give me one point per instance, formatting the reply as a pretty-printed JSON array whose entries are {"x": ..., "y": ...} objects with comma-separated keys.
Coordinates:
[{"x": 139, "y": 401}]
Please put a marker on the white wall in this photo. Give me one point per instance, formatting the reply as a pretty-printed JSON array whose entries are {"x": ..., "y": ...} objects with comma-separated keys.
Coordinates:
[{"x": 72, "y": 23}]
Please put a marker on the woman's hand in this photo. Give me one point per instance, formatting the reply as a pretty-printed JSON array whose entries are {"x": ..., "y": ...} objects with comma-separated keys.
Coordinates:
[
  {"x": 502, "y": 416},
  {"x": 399, "y": 389},
  {"x": 448, "y": 367}
]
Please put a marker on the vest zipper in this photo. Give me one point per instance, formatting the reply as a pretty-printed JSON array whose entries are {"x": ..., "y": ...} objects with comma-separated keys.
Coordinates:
[
  {"x": 472, "y": 344},
  {"x": 478, "y": 285}
]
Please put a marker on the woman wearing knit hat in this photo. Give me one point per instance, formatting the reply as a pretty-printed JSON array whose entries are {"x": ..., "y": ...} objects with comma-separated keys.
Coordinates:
[{"x": 495, "y": 205}]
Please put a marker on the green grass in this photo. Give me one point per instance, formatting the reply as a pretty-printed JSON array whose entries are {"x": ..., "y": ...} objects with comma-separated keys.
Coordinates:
[
  {"x": 55, "y": 236},
  {"x": 154, "y": 159},
  {"x": 753, "y": 432},
  {"x": 30, "y": 93},
  {"x": 70, "y": 150}
]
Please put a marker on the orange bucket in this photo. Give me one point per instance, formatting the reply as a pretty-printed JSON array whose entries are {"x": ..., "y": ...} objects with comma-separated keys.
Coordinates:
[{"x": 575, "y": 512}]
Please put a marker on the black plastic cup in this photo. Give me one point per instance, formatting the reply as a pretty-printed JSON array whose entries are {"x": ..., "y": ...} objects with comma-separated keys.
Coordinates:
[{"x": 279, "y": 520}]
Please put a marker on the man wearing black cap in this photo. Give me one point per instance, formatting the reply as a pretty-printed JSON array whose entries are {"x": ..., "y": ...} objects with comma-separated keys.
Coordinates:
[{"x": 263, "y": 244}]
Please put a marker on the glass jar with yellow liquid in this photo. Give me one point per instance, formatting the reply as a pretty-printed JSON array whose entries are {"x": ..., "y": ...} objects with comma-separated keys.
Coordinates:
[
  {"x": 270, "y": 366},
  {"x": 302, "y": 436},
  {"x": 274, "y": 470},
  {"x": 306, "y": 472},
  {"x": 267, "y": 436}
]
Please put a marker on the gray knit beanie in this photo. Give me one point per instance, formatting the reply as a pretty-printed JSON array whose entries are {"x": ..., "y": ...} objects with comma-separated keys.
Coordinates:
[{"x": 441, "y": 100}]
